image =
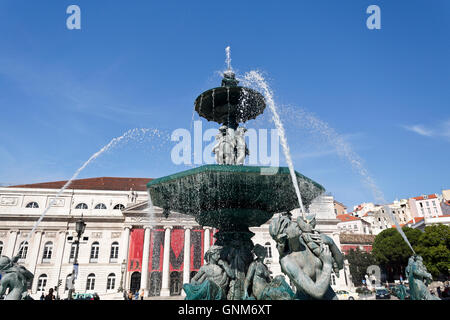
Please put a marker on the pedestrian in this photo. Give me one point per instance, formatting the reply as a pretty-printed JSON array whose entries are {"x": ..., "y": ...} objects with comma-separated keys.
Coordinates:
[
  {"x": 136, "y": 295},
  {"x": 130, "y": 295},
  {"x": 141, "y": 295},
  {"x": 439, "y": 292},
  {"x": 42, "y": 296},
  {"x": 50, "y": 295}
]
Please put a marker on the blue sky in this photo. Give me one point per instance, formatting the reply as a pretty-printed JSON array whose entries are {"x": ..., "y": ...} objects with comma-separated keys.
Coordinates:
[{"x": 140, "y": 64}]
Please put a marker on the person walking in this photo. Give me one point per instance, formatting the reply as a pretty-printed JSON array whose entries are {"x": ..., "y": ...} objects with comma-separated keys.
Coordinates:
[
  {"x": 50, "y": 295},
  {"x": 136, "y": 295},
  {"x": 141, "y": 295},
  {"x": 42, "y": 296},
  {"x": 130, "y": 295}
]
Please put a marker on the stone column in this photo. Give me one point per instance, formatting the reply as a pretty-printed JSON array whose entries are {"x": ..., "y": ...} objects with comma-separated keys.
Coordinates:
[
  {"x": 11, "y": 243},
  {"x": 206, "y": 239},
  {"x": 165, "y": 289},
  {"x": 125, "y": 246},
  {"x": 187, "y": 257},
  {"x": 145, "y": 260},
  {"x": 62, "y": 237},
  {"x": 36, "y": 241}
]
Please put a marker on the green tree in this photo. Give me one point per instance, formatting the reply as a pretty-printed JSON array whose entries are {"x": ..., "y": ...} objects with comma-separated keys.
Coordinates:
[
  {"x": 434, "y": 247},
  {"x": 358, "y": 261},
  {"x": 391, "y": 251}
]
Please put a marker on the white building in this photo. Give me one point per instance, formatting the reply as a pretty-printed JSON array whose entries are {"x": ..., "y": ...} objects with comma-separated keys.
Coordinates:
[
  {"x": 401, "y": 211},
  {"x": 427, "y": 206},
  {"x": 351, "y": 224}
]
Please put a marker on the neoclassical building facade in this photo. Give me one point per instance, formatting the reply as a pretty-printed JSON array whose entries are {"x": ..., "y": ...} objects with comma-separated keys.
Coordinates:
[{"x": 124, "y": 245}]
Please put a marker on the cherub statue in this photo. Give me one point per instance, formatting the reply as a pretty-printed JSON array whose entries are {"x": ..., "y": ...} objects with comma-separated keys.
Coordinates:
[
  {"x": 224, "y": 148},
  {"x": 15, "y": 278},
  {"x": 241, "y": 146},
  {"x": 258, "y": 283},
  {"x": 314, "y": 239},
  {"x": 418, "y": 278},
  {"x": 211, "y": 281}
]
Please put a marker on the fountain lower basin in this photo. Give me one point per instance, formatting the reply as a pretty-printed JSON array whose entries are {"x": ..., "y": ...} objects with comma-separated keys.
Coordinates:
[{"x": 230, "y": 197}]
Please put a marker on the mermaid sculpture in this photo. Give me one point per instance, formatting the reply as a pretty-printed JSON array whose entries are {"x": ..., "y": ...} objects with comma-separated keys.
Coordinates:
[
  {"x": 306, "y": 258},
  {"x": 211, "y": 281},
  {"x": 15, "y": 278},
  {"x": 418, "y": 278},
  {"x": 258, "y": 283}
]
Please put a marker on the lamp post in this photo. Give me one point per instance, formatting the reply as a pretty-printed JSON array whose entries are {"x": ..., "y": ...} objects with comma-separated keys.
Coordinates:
[
  {"x": 80, "y": 226},
  {"x": 123, "y": 266}
]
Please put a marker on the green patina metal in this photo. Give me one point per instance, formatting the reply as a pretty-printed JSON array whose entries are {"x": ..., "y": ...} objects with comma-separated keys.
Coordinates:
[
  {"x": 231, "y": 197},
  {"x": 225, "y": 104}
]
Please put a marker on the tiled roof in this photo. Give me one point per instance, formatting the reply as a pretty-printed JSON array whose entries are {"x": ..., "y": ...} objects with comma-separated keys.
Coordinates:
[
  {"x": 410, "y": 222},
  {"x": 347, "y": 238},
  {"x": 102, "y": 183},
  {"x": 430, "y": 196},
  {"x": 346, "y": 217}
]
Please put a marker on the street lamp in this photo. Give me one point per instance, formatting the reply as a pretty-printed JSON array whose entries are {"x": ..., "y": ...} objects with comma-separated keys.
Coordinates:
[
  {"x": 80, "y": 226},
  {"x": 123, "y": 267}
]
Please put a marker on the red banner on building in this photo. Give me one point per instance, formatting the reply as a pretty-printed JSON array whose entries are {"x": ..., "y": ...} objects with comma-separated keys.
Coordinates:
[
  {"x": 135, "y": 250},
  {"x": 176, "y": 253}
]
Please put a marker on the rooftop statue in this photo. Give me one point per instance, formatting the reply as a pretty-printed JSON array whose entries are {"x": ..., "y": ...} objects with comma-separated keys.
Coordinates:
[
  {"x": 418, "y": 278},
  {"x": 258, "y": 283},
  {"x": 15, "y": 278},
  {"x": 306, "y": 257},
  {"x": 211, "y": 281}
]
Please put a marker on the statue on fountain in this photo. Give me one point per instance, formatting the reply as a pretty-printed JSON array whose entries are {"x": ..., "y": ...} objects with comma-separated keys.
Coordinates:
[
  {"x": 15, "y": 278},
  {"x": 211, "y": 281},
  {"x": 418, "y": 278},
  {"x": 258, "y": 283},
  {"x": 230, "y": 148},
  {"x": 306, "y": 257}
]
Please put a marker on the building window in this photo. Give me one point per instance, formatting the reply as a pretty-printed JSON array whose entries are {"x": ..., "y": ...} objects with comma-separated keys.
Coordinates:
[
  {"x": 32, "y": 205},
  {"x": 119, "y": 207},
  {"x": 81, "y": 206},
  {"x": 90, "y": 282},
  {"x": 1, "y": 247},
  {"x": 114, "y": 252},
  {"x": 23, "y": 250},
  {"x": 42, "y": 283},
  {"x": 268, "y": 250},
  {"x": 333, "y": 280},
  {"x": 100, "y": 206},
  {"x": 94, "y": 252},
  {"x": 111, "y": 282},
  {"x": 48, "y": 250},
  {"x": 73, "y": 250}
]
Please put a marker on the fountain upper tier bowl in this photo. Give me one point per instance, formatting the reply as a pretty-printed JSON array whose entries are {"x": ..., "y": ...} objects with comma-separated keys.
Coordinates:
[
  {"x": 230, "y": 105},
  {"x": 231, "y": 197}
]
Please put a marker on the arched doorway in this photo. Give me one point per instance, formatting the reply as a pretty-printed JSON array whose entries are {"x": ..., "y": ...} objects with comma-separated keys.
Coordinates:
[
  {"x": 175, "y": 283},
  {"x": 135, "y": 281},
  {"x": 155, "y": 283}
]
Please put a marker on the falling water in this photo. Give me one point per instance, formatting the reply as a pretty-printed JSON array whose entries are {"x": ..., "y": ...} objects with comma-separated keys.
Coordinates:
[
  {"x": 132, "y": 133},
  {"x": 254, "y": 77},
  {"x": 344, "y": 150}
]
